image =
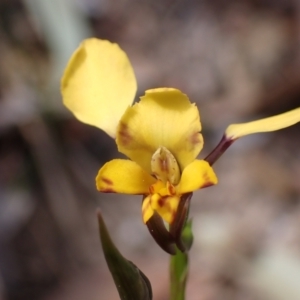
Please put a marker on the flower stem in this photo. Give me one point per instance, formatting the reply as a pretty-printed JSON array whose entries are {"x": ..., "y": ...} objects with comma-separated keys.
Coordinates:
[
  {"x": 179, "y": 265},
  {"x": 178, "y": 274}
]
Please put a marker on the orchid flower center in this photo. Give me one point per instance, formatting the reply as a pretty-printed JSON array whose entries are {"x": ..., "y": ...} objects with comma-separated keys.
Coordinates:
[
  {"x": 163, "y": 194},
  {"x": 165, "y": 167}
]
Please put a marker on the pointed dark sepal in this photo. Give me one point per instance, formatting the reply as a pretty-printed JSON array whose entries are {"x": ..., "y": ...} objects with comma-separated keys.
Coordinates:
[
  {"x": 160, "y": 234},
  {"x": 129, "y": 280},
  {"x": 179, "y": 222},
  {"x": 223, "y": 145}
]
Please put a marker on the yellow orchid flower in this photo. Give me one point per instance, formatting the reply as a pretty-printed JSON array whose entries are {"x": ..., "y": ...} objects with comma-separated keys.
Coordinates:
[{"x": 160, "y": 134}]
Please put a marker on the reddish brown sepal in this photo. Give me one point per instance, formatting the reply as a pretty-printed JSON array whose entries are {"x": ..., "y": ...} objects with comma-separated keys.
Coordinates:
[
  {"x": 160, "y": 234},
  {"x": 219, "y": 150},
  {"x": 180, "y": 219}
]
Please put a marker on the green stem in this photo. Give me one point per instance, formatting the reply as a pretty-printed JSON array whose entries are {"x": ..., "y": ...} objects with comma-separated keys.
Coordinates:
[
  {"x": 178, "y": 275},
  {"x": 179, "y": 265}
]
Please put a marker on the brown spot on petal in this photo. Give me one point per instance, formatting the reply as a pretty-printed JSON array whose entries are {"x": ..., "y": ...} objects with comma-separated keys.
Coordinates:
[
  {"x": 161, "y": 202},
  {"x": 164, "y": 166},
  {"x": 151, "y": 189},
  {"x": 171, "y": 188},
  {"x": 164, "y": 203},
  {"x": 107, "y": 190},
  {"x": 107, "y": 181},
  {"x": 207, "y": 181},
  {"x": 123, "y": 134},
  {"x": 207, "y": 184},
  {"x": 196, "y": 138}
]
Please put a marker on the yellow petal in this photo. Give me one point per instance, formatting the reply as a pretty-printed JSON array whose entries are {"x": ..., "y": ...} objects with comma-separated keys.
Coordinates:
[
  {"x": 164, "y": 117},
  {"x": 162, "y": 189},
  {"x": 198, "y": 174},
  {"x": 166, "y": 207},
  {"x": 147, "y": 211},
  {"x": 123, "y": 176},
  {"x": 99, "y": 84},
  {"x": 284, "y": 120}
]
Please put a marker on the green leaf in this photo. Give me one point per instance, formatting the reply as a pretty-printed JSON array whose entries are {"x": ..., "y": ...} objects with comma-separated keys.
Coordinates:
[{"x": 129, "y": 280}]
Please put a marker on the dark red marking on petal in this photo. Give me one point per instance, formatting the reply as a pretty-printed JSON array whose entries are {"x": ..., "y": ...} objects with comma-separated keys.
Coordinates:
[
  {"x": 196, "y": 138},
  {"x": 207, "y": 181},
  {"x": 164, "y": 166},
  {"x": 171, "y": 189},
  {"x": 151, "y": 189},
  {"x": 207, "y": 184},
  {"x": 124, "y": 135},
  {"x": 107, "y": 181},
  {"x": 107, "y": 190},
  {"x": 161, "y": 202},
  {"x": 173, "y": 216}
]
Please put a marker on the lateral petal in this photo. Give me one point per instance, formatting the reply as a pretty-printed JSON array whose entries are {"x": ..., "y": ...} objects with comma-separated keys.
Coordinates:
[
  {"x": 123, "y": 176},
  {"x": 196, "y": 175}
]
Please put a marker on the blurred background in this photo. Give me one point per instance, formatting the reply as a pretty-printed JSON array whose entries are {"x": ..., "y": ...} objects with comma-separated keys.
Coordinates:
[{"x": 238, "y": 60}]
